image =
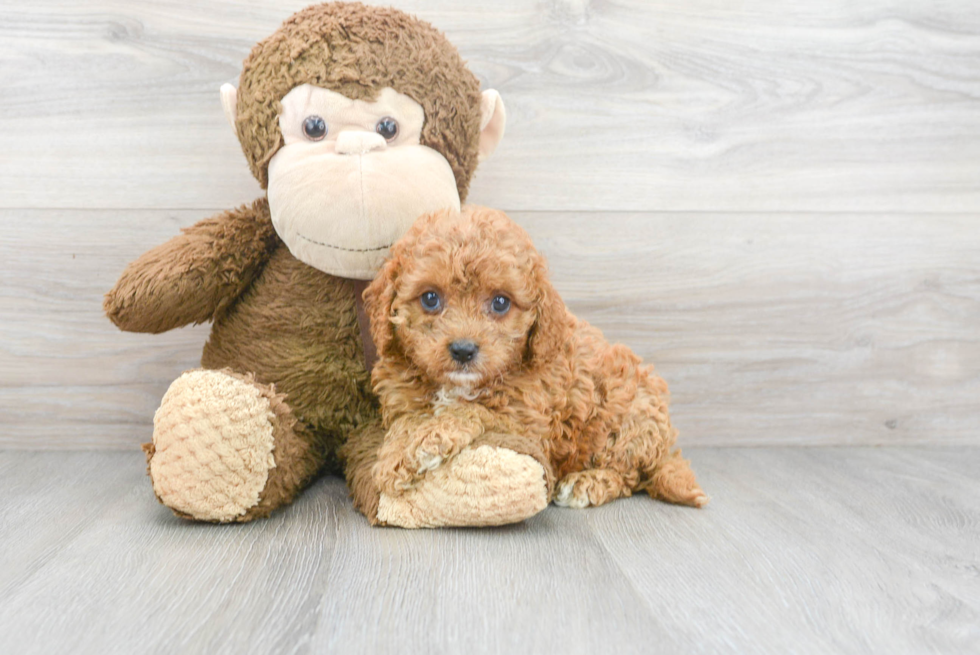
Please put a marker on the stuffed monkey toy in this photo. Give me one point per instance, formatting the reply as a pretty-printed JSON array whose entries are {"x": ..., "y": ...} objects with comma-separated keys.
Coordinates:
[{"x": 355, "y": 120}]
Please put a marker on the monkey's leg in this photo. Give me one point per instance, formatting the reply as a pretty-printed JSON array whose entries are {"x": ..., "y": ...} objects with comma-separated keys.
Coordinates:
[
  {"x": 360, "y": 453},
  {"x": 228, "y": 449},
  {"x": 496, "y": 480}
]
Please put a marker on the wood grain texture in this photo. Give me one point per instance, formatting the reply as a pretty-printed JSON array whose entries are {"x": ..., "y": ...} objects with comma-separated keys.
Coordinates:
[
  {"x": 805, "y": 329},
  {"x": 775, "y": 326},
  {"x": 612, "y": 105},
  {"x": 801, "y": 550}
]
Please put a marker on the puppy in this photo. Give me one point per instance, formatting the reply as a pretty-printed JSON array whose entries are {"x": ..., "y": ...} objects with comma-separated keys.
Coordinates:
[{"x": 472, "y": 338}]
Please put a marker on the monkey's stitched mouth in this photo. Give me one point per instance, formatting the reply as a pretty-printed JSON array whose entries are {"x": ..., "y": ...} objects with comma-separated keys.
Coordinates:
[{"x": 328, "y": 245}]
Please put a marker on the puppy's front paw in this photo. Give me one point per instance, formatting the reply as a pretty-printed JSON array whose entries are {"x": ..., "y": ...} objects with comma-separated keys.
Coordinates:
[
  {"x": 427, "y": 460},
  {"x": 438, "y": 441},
  {"x": 433, "y": 449},
  {"x": 570, "y": 494},
  {"x": 590, "y": 487},
  {"x": 393, "y": 473}
]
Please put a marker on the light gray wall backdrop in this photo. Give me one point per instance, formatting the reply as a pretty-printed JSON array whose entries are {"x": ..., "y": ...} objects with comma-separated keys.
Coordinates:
[{"x": 778, "y": 206}]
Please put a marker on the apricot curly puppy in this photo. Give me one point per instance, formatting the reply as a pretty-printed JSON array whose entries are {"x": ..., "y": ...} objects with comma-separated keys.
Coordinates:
[{"x": 472, "y": 338}]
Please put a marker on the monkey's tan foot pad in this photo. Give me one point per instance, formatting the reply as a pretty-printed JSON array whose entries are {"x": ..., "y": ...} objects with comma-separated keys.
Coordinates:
[
  {"x": 212, "y": 446},
  {"x": 482, "y": 486}
]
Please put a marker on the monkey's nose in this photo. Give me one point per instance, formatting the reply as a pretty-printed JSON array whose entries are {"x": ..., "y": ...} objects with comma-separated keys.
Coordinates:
[
  {"x": 355, "y": 142},
  {"x": 463, "y": 350}
]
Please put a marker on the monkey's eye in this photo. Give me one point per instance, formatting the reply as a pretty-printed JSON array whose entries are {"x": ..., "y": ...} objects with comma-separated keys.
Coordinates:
[
  {"x": 431, "y": 302},
  {"x": 500, "y": 305},
  {"x": 387, "y": 127},
  {"x": 314, "y": 128}
]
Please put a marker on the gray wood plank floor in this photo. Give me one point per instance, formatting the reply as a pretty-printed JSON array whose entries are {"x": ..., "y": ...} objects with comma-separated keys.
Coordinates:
[{"x": 849, "y": 550}]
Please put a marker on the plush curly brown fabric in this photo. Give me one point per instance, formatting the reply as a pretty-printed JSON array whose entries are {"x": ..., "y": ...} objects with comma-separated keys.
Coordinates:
[
  {"x": 357, "y": 50},
  {"x": 193, "y": 277}
]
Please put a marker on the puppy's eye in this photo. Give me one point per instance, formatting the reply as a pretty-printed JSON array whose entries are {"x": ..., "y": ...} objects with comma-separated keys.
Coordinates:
[
  {"x": 315, "y": 128},
  {"x": 500, "y": 305},
  {"x": 387, "y": 127},
  {"x": 430, "y": 301}
]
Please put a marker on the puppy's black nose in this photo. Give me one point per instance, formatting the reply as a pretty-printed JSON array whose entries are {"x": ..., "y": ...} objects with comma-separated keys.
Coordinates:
[{"x": 463, "y": 350}]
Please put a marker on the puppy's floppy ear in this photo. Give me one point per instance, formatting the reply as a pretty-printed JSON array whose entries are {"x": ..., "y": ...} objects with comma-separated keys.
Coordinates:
[
  {"x": 549, "y": 332},
  {"x": 378, "y": 297},
  {"x": 380, "y": 294}
]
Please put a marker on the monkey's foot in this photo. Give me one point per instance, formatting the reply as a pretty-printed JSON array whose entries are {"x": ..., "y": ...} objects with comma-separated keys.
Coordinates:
[
  {"x": 495, "y": 481},
  {"x": 216, "y": 438}
]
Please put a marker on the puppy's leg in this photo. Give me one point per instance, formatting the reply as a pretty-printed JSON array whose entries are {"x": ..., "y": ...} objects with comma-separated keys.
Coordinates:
[
  {"x": 395, "y": 468},
  {"x": 642, "y": 447},
  {"x": 591, "y": 487},
  {"x": 416, "y": 444},
  {"x": 444, "y": 435}
]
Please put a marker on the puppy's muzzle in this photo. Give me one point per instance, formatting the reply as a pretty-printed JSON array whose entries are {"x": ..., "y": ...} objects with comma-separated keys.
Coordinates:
[{"x": 464, "y": 350}]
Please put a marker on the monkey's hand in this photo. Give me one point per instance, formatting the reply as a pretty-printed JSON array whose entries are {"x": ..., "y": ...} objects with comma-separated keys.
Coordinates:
[
  {"x": 416, "y": 444},
  {"x": 195, "y": 274}
]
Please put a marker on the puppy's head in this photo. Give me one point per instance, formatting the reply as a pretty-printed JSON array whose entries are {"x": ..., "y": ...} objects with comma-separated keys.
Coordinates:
[{"x": 465, "y": 299}]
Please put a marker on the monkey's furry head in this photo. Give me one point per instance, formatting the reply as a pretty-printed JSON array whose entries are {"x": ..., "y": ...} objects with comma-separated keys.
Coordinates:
[{"x": 357, "y": 50}]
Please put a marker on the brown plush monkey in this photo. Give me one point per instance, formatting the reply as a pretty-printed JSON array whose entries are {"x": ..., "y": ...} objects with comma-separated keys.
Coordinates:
[{"x": 356, "y": 120}]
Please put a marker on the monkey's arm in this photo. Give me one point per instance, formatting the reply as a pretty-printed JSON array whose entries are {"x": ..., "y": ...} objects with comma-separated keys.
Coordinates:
[{"x": 194, "y": 275}]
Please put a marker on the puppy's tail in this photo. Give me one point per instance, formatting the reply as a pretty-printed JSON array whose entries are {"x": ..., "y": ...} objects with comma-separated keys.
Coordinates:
[{"x": 673, "y": 481}]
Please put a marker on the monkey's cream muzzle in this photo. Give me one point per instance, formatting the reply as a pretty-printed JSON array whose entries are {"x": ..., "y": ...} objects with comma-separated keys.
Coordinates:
[
  {"x": 340, "y": 213},
  {"x": 339, "y": 201}
]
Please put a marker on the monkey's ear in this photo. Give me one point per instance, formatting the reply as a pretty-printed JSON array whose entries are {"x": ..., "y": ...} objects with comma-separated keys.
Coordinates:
[
  {"x": 229, "y": 102},
  {"x": 493, "y": 118}
]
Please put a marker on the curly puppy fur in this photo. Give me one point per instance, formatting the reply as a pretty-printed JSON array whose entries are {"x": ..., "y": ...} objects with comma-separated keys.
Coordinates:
[{"x": 538, "y": 371}]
